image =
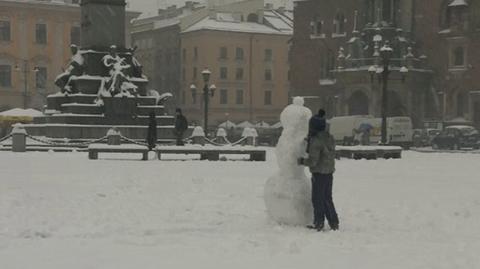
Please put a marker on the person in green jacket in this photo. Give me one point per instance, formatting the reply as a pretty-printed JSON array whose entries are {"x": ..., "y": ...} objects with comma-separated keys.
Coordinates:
[{"x": 321, "y": 161}]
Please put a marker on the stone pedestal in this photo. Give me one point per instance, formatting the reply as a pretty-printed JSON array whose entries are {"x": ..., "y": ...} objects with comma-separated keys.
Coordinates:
[
  {"x": 19, "y": 139},
  {"x": 103, "y": 24},
  {"x": 120, "y": 110}
]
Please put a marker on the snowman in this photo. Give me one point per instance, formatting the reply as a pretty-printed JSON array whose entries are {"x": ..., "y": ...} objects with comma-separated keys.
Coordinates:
[{"x": 287, "y": 194}]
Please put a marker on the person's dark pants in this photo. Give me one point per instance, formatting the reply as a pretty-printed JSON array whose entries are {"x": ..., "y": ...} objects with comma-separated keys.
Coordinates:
[
  {"x": 322, "y": 200},
  {"x": 179, "y": 136}
]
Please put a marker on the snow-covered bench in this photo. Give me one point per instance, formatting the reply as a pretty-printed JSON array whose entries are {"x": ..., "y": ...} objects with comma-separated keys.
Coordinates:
[
  {"x": 94, "y": 149},
  {"x": 369, "y": 152},
  {"x": 212, "y": 153}
]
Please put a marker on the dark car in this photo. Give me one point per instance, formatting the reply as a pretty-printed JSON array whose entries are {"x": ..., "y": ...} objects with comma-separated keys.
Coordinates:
[
  {"x": 457, "y": 137},
  {"x": 424, "y": 137}
]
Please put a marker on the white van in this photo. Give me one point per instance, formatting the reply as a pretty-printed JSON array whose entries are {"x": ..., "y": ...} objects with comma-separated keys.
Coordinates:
[
  {"x": 343, "y": 128},
  {"x": 399, "y": 129}
]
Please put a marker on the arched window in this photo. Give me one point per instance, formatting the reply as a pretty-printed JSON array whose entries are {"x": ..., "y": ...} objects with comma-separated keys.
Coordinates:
[
  {"x": 459, "y": 57},
  {"x": 358, "y": 104},
  {"x": 316, "y": 26},
  {"x": 339, "y": 24}
]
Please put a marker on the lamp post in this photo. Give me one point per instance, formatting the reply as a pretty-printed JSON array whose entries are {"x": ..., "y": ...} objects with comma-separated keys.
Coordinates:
[
  {"x": 25, "y": 70},
  {"x": 208, "y": 91},
  {"x": 386, "y": 53}
]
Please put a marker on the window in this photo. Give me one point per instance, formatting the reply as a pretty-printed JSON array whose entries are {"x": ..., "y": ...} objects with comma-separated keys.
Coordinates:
[
  {"x": 5, "y": 30},
  {"x": 239, "y": 54},
  {"x": 5, "y": 76},
  {"x": 239, "y": 74},
  {"x": 194, "y": 73},
  {"x": 339, "y": 24},
  {"x": 41, "y": 33},
  {"x": 184, "y": 75},
  {"x": 239, "y": 97},
  {"x": 223, "y": 53},
  {"x": 223, "y": 73},
  {"x": 316, "y": 27},
  {"x": 223, "y": 97},
  {"x": 183, "y": 97},
  {"x": 75, "y": 35},
  {"x": 268, "y": 98},
  {"x": 184, "y": 55},
  {"x": 41, "y": 78},
  {"x": 459, "y": 57},
  {"x": 268, "y": 55},
  {"x": 195, "y": 53},
  {"x": 268, "y": 74}
]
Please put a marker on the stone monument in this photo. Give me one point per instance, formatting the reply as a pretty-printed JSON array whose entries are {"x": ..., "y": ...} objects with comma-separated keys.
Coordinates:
[{"x": 103, "y": 85}]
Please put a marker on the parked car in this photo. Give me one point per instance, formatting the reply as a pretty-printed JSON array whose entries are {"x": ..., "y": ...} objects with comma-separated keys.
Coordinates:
[
  {"x": 424, "y": 137},
  {"x": 457, "y": 137}
]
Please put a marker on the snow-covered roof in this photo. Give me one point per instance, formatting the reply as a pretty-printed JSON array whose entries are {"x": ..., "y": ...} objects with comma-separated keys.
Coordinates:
[
  {"x": 279, "y": 21},
  {"x": 243, "y": 27},
  {"x": 457, "y": 3}
]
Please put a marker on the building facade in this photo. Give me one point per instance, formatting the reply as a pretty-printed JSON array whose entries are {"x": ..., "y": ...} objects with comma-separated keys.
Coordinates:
[
  {"x": 158, "y": 44},
  {"x": 335, "y": 44},
  {"x": 249, "y": 65},
  {"x": 452, "y": 29},
  {"x": 35, "y": 37},
  {"x": 243, "y": 43}
]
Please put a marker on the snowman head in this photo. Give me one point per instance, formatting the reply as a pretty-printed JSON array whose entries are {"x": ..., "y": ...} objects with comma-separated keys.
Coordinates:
[
  {"x": 296, "y": 116},
  {"x": 298, "y": 101}
]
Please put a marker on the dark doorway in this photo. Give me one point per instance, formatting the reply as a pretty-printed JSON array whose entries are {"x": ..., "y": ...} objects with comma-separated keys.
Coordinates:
[
  {"x": 395, "y": 106},
  {"x": 358, "y": 104}
]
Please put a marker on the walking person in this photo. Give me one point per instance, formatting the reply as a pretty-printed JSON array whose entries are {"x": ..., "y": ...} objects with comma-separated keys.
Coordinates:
[
  {"x": 321, "y": 161},
  {"x": 181, "y": 125},
  {"x": 152, "y": 131}
]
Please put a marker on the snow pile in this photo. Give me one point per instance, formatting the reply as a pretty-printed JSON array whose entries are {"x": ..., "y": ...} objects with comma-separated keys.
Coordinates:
[
  {"x": 288, "y": 192},
  {"x": 61, "y": 210}
]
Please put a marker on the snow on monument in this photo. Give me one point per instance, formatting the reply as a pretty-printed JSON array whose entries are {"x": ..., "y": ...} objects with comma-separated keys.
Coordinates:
[{"x": 288, "y": 193}]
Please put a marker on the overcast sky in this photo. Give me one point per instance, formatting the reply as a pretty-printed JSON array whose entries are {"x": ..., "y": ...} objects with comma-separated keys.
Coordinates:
[{"x": 151, "y": 6}]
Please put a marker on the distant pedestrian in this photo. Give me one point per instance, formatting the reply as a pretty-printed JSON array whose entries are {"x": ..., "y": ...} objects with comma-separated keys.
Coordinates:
[
  {"x": 152, "y": 131},
  {"x": 181, "y": 125},
  {"x": 321, "y": 161}
]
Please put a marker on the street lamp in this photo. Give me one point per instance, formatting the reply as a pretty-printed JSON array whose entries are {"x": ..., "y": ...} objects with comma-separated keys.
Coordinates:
[
  {"x": 386, "y": 53},
  {"x": 25, "y": 70},
  {"x": 208, "y": 92}
]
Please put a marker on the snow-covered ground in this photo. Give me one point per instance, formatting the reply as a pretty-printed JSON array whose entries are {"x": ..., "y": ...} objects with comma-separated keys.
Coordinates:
[{"x": 60, "y": 210}]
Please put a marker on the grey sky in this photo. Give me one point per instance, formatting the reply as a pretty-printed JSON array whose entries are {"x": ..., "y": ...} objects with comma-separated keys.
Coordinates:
[{"x": 151, "y": 6}]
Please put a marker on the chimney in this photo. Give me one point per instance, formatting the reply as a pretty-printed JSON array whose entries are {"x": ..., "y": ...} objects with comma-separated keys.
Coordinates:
[
  {"x": 281, "y": 10},
  {"x": 269, "y": 6}
]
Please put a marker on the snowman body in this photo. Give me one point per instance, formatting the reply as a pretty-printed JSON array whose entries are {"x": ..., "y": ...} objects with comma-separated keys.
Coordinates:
[{"x": 288, "y": 192}]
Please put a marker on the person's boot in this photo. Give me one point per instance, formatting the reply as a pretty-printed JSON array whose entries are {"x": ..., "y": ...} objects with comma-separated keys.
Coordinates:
[
  {"x": 316, "y": 226},
  {"x": 334, "y": 227}
]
